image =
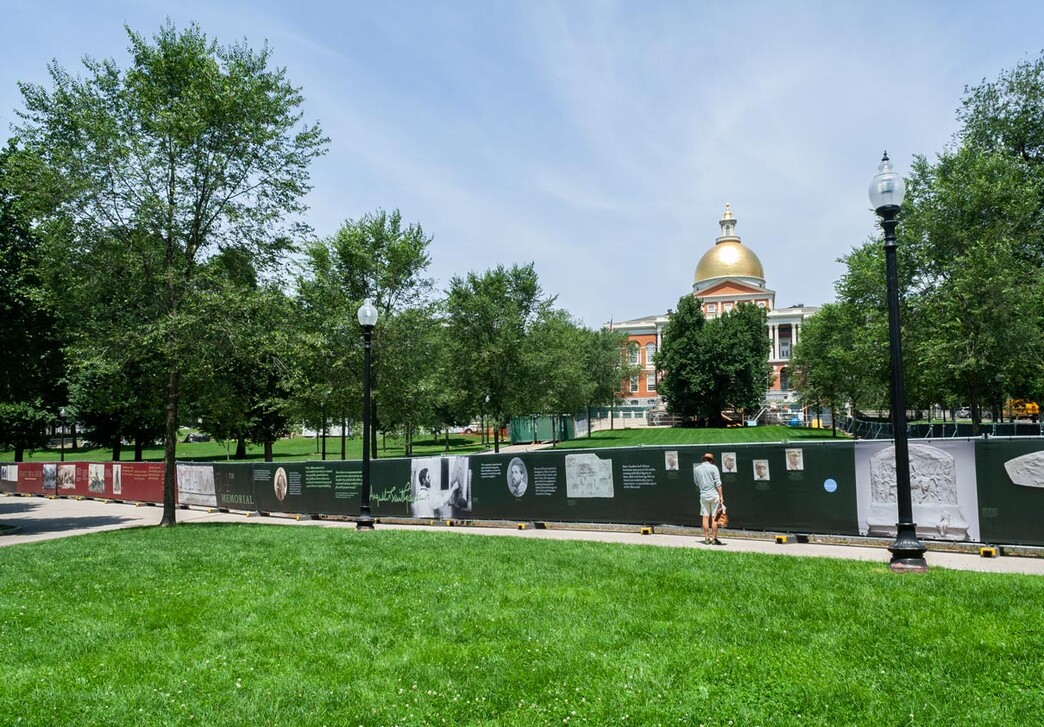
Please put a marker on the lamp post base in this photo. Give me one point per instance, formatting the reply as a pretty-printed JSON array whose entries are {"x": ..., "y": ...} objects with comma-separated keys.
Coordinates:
[
  {"x": 364, "y": 522},
  {"x": 907, "y": 551}
]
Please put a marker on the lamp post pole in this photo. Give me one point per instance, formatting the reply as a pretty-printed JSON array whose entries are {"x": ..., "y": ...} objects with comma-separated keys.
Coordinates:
[
  {"x": 61, "y": 420},
  {"x": 367, "y": 319},
  {"x": 886, "y": 194}
]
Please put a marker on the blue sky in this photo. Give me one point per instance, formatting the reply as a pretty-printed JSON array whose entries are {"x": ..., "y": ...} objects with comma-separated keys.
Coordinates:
[{"x": 598, "y": 140}]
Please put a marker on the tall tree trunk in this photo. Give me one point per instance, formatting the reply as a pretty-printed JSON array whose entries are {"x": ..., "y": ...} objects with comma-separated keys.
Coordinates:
[
  {"x": 139, "y": 449},
  {"x": 590, "y": 422},
  {"x": 268, "y": 450},
  {"x": 170, "y": 450},
  {"x": 117, "y": 448},
  {"x": 344, "y": 438},
  {"x": 19, "y": 454},
  {"x": 240, "y": 447},
  {"x": 496, "y": 437}
]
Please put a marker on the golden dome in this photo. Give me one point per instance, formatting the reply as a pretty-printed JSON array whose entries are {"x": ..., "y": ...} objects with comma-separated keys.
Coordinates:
[{"x": 728, "y": 258}]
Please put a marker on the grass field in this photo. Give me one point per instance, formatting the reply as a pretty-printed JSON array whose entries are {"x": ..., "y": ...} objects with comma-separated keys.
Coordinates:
[
  {"x": 680, "y": 435},
  {"x": 303, "y": 448},
  {"x": 298, "y": 448},
  {"x": 253, "y": 625}
]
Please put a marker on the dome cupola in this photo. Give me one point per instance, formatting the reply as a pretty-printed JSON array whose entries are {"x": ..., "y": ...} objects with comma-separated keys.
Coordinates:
[{"x": 729, "y": 258}]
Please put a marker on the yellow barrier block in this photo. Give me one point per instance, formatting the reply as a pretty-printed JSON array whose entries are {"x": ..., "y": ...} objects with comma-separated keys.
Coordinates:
[
  {"x": 297, "y": 517},
  {"x": 247, "y": 514},
  {"x": 521, "y": 526},
  {"x": 782, "y": 540},
  {"x": 988, "y": 552},
  {"x": 646, "y": 531},
  {"x": 449, "y": 523}
]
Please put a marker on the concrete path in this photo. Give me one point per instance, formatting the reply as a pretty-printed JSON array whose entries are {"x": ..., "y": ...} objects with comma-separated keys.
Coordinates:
[{"x": 38, "y": 518}]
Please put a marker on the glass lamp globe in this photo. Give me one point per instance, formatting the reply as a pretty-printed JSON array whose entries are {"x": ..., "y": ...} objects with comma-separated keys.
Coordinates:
[
  {"x": 887, "y": 188},
  {"x": 367, "y": 314}
]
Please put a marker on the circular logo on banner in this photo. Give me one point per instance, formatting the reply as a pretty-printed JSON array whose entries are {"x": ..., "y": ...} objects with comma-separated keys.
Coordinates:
[{"x": 830, "y": 485}]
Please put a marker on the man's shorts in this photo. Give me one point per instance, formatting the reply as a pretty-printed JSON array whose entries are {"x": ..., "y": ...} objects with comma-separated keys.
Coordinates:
[{"x": 709, "y": 505}]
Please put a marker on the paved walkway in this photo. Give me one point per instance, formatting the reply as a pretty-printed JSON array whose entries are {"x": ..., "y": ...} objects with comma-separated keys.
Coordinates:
[{"x": 39, "y": 518}]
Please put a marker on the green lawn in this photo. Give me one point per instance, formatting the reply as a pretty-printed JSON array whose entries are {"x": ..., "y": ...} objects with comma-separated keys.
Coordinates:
[
  {"x": 298, "y": 448},
  {"x": 679, "y": 435},
  {"x": 301, "y": 448},
  {"x": 252, "y": 624}
]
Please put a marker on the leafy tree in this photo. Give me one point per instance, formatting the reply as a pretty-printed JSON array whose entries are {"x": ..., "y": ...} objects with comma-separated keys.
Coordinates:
[
  {"x": 711, "y": 366},
  {"x": 32, "y": 367},
  {"x": 240, "y": 390},
  {"x": 376, "y": 257},
  {"x": 194, "y": 148},
  {"x": 557, "y": 348},
  {"x": 681, "y": 359},
  {"x": 488, "y": 319},
  {"x": 828, "y": 364},
  {"x": 606, "y": 367},
  {"x": 414, "y": 368},
  {"x": 737, "y": 351},
  {"x": 115, "y": 397}
]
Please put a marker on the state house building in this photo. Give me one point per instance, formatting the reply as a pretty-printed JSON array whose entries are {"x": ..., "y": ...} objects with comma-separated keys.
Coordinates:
[{"x": 728, "y": 274}]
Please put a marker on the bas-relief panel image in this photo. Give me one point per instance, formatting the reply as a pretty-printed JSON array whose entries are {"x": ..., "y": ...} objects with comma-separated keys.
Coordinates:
[
  {"x": 588, "y": 475},
  {"x": 942, "y": 490},
  {"x": 196, "y": 485},
  {"x": 1027, "y": 470}
]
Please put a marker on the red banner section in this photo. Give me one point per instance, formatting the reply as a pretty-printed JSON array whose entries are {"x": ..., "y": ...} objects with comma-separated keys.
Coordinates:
[
  {"x": 31, "y": 479},
  {"x": 135, "y": 481},
  {"x": 124, "y": 481},
  {"x": 71, "y": 479}
]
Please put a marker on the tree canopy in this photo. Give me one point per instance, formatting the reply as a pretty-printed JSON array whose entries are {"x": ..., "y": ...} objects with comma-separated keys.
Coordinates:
[
  {"x": 710, "y": 366},
  {"x": 971, "y": 267},
  {"x": 193, "y": 149}
]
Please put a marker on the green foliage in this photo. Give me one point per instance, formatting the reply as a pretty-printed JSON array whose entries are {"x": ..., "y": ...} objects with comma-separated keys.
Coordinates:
[
  {"x": 681, "y": 360},
  {"x": 374, "y": 257},
  {"x": 605, "y": 365},
  {"x": 252, "y": 624},
  {"x": 970, "y": 263},
  {"x": 23, "y": 426},
  {"x": 713, "y": 365},
  {"x": 558, "y": 372},
  {"x": 489, "y": 317},
  {"x": 833, "y": 363},
  {"x": 31, "y": 366},
  {"x": 145, "y": 173}
]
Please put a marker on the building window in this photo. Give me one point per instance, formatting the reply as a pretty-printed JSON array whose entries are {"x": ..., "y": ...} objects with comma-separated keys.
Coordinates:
[
  {"x": 634, "y": 353},
  {"x": 761, "y": 304},
  {"x": 726, "y": 307},
  {"x": 650, "y": 351},
  {"x": 712, "y": 307},
  {"x": 784, "y": 349},
  {"x": 650, "y": 382},
  {"x": 634, "y": 384}
]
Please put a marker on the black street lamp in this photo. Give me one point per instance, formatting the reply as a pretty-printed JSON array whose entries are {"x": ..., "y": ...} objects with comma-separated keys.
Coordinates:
[
  {"x": 367, "y": 319},
  {"x": 886, "y": 194}
]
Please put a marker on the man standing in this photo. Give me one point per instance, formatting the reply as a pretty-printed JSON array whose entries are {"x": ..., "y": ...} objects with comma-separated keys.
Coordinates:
[{"x": 709, "y": 481}]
